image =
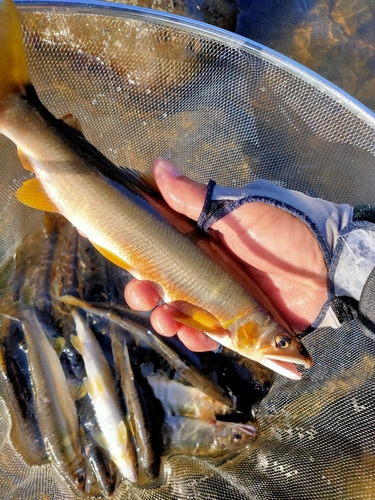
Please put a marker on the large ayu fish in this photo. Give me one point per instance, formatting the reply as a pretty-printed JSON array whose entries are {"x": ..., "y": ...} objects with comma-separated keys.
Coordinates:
[{"x": 122, "y": 226}]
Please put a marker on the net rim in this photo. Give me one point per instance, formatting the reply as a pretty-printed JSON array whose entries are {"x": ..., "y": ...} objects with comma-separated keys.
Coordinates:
[{"x": 232, "y": 40}]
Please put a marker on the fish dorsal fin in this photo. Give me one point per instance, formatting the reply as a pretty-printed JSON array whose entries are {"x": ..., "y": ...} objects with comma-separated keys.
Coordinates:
[
  {"x": 196, "y": 317},
  {"x": 32, "y": 194},
  {"x": 72, "y": 121},
  {"x": 113, "y": 258},
  {"x": 140, "y": 182},
  {"x": 26, "y": 163}
]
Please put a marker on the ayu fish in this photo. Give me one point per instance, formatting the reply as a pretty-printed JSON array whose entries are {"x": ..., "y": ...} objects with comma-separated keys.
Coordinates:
[
  {"x": 103, "y": 475},
  {"x": 185, "y": 401},
  {"x": 101, "y": 389},
  {"x": 143, "y": 424},
  {"x": 69, "y": 180},
  {"x": 56, "y": 411},
  {"x": 15, "y": 378},
  {"x": 202, "y": 438}
]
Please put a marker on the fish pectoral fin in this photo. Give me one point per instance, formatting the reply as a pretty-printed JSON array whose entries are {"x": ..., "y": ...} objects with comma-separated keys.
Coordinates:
[
  {"x": 113, "y": 258},
  {"x": 122, "y": 433},
  {"x": 71, "y": 300},
  {"x": 26, "y": 163},
  {"x": 58, "y": 344},
  {"x": 196, "y": 317},
  {"x": 32, "y": 194}
]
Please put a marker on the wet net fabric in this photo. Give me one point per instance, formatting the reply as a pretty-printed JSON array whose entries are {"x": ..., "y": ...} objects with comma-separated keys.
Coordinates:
[{"x": 141, "y": 90}]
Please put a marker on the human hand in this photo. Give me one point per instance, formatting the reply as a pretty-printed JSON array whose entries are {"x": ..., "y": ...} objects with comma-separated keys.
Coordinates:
[{"x": 278, "y": 250}]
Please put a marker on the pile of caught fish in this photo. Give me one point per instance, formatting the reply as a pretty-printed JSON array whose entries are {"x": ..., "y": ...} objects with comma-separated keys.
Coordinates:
[{"x": 88, "y": 384}]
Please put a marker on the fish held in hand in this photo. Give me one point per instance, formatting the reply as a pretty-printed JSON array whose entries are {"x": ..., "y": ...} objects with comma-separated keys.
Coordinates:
[{"x": 122, "y": 226}]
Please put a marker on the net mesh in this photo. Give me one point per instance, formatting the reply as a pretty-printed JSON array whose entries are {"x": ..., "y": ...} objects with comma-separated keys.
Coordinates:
[{"x": 143, "y": 89}]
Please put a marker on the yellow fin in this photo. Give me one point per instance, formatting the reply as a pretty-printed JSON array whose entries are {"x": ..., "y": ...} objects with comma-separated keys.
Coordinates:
[
  {"x": 71, "y": 300},
  {"x": 76, "y": 343},
  {"x": 95, "y": 386},
  {"x": 122, "y": 432},
  {"x": 26, "y": 163},
  {"x": 113, "y": 258},
  {"x": 13, "y": 67},
  {"x": 196, "y": 317},
  {"x": 32, "y": 194},
  {"x": 58, "y": 344}
]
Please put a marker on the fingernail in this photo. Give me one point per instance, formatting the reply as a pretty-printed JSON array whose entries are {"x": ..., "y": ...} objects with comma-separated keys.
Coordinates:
[{"x": 166, "y": 167}]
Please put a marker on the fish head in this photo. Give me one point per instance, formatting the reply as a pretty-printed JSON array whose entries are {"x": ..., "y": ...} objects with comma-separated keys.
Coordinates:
[
  {"x": 231, "y": 437},
  {"x": 272, "y": 346}
]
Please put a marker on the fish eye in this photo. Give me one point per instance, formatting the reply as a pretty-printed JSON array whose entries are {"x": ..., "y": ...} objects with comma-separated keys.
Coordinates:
[
  {"x": 80, "y": 481},
  {"x": 237, "y": 437},
  {"x": 282, "y": 340}
]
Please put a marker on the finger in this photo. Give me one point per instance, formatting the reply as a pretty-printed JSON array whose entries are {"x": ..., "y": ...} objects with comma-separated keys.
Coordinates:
[
  {"x": 195, "y": 340},
  {"x": 141, "y": 295},
  {"x": 163, "y": 322},
  {"x": 183, "y": 194}
]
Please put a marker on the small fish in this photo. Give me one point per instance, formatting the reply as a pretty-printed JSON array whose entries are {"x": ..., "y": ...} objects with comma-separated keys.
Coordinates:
[
  {"x": 40, "y": 276},
  {"x": 104, "y": 476},
  {"x": 129, "y": 321},
  {"x": 104, "y": 469},
  {"x": 147, "y": 436},
  {"x": 69, "y": 180},
  {"x": 181, "y": 400},
  {"x": 16, "y": 388},
  {"x": 100, "y": 387},
  {"x": 64, "y": 279},
  {"x": 56, "y": 411},
  {"x": 202, "y": 438},
  {"x": 15, "y": 379}
]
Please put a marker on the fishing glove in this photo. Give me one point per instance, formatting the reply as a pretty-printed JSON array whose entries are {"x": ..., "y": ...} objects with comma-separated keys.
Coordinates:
[{"x": 345, "y": 234}]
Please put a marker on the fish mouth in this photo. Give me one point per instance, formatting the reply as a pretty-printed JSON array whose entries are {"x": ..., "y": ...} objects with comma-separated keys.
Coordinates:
[
  {"x": 285, "y": 368},
  {"x": 247, "y": 429}
]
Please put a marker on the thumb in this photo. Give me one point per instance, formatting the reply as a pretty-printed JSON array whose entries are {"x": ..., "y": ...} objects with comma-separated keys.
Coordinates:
[{"x": 181, "y": 193}]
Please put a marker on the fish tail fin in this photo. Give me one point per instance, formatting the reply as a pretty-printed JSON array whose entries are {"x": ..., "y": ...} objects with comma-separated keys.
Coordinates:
[{"x": 13, "y": 68}]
